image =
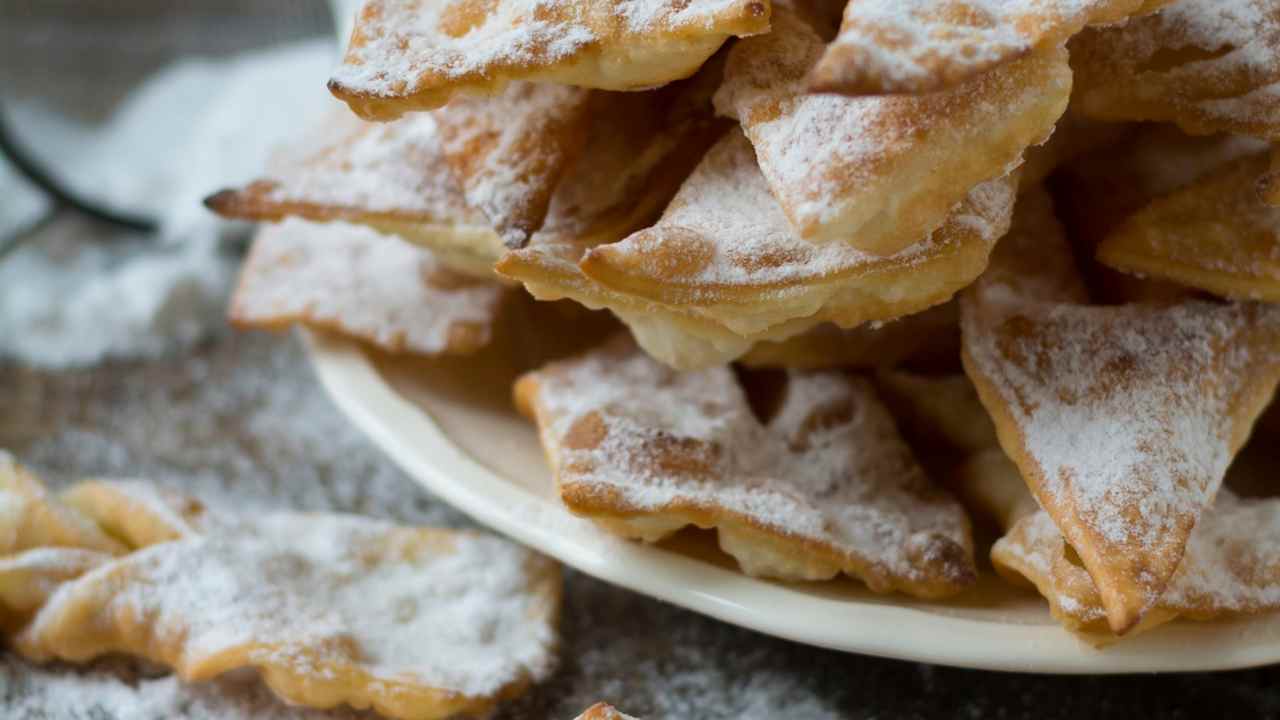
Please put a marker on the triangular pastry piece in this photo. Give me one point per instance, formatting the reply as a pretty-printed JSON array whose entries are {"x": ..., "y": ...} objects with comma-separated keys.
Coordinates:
[
  {"x": 356, "y": 282},
  {"x": 879, "y": 173},
  {"x": 1231, "y": 565},
  {"x": 409, "y": 55},
  {"x": 391, "y": 177},
  {"x": 1216, "y": 234},
  {"x": 1209, "y": 66},
  {"x": 415, "y": 623},
  {"x": 920, "y": 46},
  {"x": 724, "y": 253},
  {"x": 823, "y": 486},
  {"x": 1122, "y": 419},
  {"x": 509, "y": 151}
]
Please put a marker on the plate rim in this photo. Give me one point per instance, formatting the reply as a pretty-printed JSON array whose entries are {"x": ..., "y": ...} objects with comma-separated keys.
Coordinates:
[{"x": 414, "y": 440}]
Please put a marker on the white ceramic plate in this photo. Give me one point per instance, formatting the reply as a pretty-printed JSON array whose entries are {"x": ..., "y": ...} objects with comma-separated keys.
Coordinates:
[{"x": 451, "y": 426}]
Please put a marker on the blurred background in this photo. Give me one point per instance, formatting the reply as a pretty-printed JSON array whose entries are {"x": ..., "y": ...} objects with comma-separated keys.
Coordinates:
[{"x": 134, "y": 111}]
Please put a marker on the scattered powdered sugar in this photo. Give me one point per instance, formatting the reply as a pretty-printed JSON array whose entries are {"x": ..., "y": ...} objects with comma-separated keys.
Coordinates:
[
  {"x": 743, "y": 238},
  {"x": 508, "y": 151},
  {"x": 407, "y": 44},
  {"x": 77, "y": 294},
  {"x": 880, "y": 171},
  {"x": 396, "y": 168},
  {"x": 829, "y": 467},
  {"x": 454, "y": 612},
  {"x": 365, "y": 284},
  {"x": 912, "y": 44}
]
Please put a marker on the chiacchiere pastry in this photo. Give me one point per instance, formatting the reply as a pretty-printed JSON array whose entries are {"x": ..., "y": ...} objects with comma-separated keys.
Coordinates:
[
  {"x": 410, "y": 55},
  {"x": 1207, "y": 66},
  {"x": 920, "y": 46},
  {"x": 354, "y": 281},
  {"x": 1122, "y": 419},
  {"x": 415, "y": 623},
  {"x": 823, "y": 485}
]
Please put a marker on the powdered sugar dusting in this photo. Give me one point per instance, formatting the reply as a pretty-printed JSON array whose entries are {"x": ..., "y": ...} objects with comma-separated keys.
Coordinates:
[
  {"x": 372, "y": 286},
  {"x": 910, "y": 45},
  {"x": 864, "y": 170},
  {"x": 404, "y": 45},
  {"x": 395, "y": 167},
  {"x": 829, "y": 467},
  {"x": 455, "y": 613},
  {"x": 744, "y": 239},
  {"x": 1209, "y": 66}
]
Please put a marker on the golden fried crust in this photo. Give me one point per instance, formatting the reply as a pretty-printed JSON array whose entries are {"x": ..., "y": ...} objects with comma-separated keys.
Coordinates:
[
  {"x": 1207, "y": 66},
  {"x": 879, "y": 173},
  {"x": 724, "y": 251},
  {"x": 32, "y": 517},
  {"x": 922, "y": 46},
  {"x": 352, "y": 281},
  {"x": 1216, "y": 234},
  {"x": 284, "y": 594},
  {"x": 390, "y": 177},
  {"x": 137, "y": 513},
  {"x": 1082, "y": 398},
  {"x": 29, "y": 578},
  {"x": 509, "y": 151},
  {"x": 603, "y": 711},
  {"x": 823, "y": 486},
  {"x": 409, "y": 55}
]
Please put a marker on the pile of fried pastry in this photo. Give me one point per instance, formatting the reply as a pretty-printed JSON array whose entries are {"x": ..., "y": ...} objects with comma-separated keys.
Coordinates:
[{"x": 886, "y": 273}]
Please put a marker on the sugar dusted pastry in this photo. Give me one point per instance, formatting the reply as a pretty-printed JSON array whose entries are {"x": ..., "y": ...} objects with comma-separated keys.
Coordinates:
[
  {"x": 408, "y": 55},
  {"x": 1121, "y": 419},
  {"x": 724, "y": 255},
  {"x": 1207, "y": 66},
  {"x": 414, "y": 623},
  {"x": 509, "y": 151},
  {"x": 1215, "y": 234},
  {"x": 354, "y": 281},
  {"x": 138, "y": 513},
  {"x": 919, "y": 46},
  {"x": 823, "y": 486},
  {"x": 391, "y": 177},
  {"x": 879, "y": 173},
  {"x": 1231, "y": 565},
  {"x": 29, "y": 578},
  {"x": 33, "y": 517}
]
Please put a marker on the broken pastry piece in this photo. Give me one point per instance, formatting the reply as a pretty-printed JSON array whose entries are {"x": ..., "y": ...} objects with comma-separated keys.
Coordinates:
[
  {"x": 1231, "y": 565},
  {"x": 410, "y": 55},
  {"x": 724, "y": 260},
  {"x": 29, "y": 578},
  {"x": 922, "y": 46},
  {"x": 879, "y": 173},
  {"x": 1209, "y": 67},
  {"x": 33, "y": 517},
  {"x": 351, "y": 280},
  {"x": 414, "y": 623},
  {"x": 1215, "y": 234},
  {"x": 822, "y": 486},
  {"x": 391, "y": 177},
  {"x": 509, "y": 151},
  {"x": 1121, "y": 419}
]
